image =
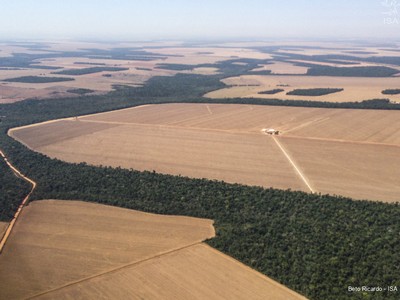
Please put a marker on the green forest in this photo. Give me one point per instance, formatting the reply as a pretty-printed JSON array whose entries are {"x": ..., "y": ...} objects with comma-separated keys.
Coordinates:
[
  {"x": 315, "y": 244},
  {"x": 351, "y": 71},
  {"x": 38, "y": 79},
  {"x": 313, "y": 92},
  {"x": 80, "y": 91},
  {"x": 271, "y": 92},
  {"x": 391, "y": 92},
  {"x": 12, "y": 190},
  {"x": 91, "y": 70}
]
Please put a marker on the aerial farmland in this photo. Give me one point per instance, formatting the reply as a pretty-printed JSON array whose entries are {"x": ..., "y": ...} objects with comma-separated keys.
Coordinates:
[
  {"x": 240, "y": 170},
  {"x": 227, "y": 142}
]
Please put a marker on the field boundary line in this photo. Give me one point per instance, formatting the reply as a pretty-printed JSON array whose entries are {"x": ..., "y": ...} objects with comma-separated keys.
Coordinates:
[
  {"x": 171, "y": 126},
  {"x": 11, "y": 225},
  {"x": 114, "y": 270},
  {"x": 299, "y": 172},
  {"x": 259, "y": 274},
  {"x": 340, "y": 141},
  {"x": 209, "y": 109}
]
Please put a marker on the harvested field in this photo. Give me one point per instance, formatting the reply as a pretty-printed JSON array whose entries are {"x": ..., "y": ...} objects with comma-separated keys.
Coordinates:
[
  {"x": 355, "y": 170},
  {"x": 225, "y": 142},
  {"x": 196, "y": 272},
  {"x": 11, "y": 94},
  {"x": 58, "y": 242},
  {"x": 355, "y": 88},
  {"x": 283, "y": 68},
  {"x": 174, "y": 150},
  {"x": 3, "y": 228}
]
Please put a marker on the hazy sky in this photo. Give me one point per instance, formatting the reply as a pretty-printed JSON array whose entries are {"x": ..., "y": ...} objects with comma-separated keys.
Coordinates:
[{"x": 201, "y": 19}]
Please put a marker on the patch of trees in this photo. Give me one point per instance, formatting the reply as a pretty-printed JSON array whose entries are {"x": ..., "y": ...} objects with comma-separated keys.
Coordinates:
[
  {"x": 227, "y": 68},
  {"x": 12, "y": 190},
  {"x": 271, "y": 92},
  {"x": 91, "y": 70},
  {"x": 313, "y": 92},
  {"x": 89, "y": 63},
  {"x": 360, "y": 52},
  {"x": 143, "y": 69},
  {"x": 22, "y": 60},
  {"x": 80, "y": 91},
  {"x": 390, "y": 60},
  {"x": 178, "y": 67},
  {"x": 351, "y": 71},
  {"x": 38, "y": 79},
  {"x": 187, "y": 86},
  {"x": 391, "y": 92},
  {"x": 123, "y": 54}
]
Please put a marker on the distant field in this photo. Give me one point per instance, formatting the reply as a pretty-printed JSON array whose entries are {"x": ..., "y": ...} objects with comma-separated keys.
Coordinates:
[
  {"x": 58, "y": 242},
  {"x": 134, "y": 67},
  {"x": 355, "y": 88},
  {"x": 225, "y": 142},
  {"x": 283, "y": 68}
]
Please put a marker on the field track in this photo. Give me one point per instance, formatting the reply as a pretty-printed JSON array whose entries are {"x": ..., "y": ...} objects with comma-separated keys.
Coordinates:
[
  {"x": 294, "y": 165},
  {"x": 119, "y": 268},
  {"x": 24, "y": 202}
]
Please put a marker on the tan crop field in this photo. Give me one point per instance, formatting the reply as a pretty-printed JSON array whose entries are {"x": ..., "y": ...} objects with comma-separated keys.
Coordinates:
[
  {"x": 225, "y": 142},
  {"x": 358, "y": 170},
  {"x": 196, "y": 272},
  {"x": 355, "y": 88},
  {"x": 3, "y": 228},
  {"x": 283, "y": 68},
  {"x": 58, "y": 242}
]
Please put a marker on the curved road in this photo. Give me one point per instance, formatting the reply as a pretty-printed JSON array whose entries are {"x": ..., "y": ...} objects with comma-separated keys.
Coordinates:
[{"x": 12, "y": 223}]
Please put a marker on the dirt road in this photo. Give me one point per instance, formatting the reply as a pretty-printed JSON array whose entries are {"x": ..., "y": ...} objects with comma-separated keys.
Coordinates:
[{"x": 12, "y": 223}]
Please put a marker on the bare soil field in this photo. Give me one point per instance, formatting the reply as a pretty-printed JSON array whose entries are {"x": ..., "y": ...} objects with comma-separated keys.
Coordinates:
[
  {"x": 196, "y": 272},
  {"x": 283, "y": 68},
  {"x": 355, "y": 88},
  {"x": 10, "y": 93},
  {"x": 200, "y": 153},
  {"x": 361, "y": 171},
  {"x": 3, "y": 228},
  {"x": 226, "y": 142},
  {"x": 58, "y": 242}
]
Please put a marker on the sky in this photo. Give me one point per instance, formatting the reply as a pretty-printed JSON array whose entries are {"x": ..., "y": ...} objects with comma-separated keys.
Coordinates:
[{"x": 201, "y": 19}]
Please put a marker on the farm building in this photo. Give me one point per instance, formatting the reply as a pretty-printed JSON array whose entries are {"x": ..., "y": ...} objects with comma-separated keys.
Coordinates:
[{"x": 271, "y": 131}]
